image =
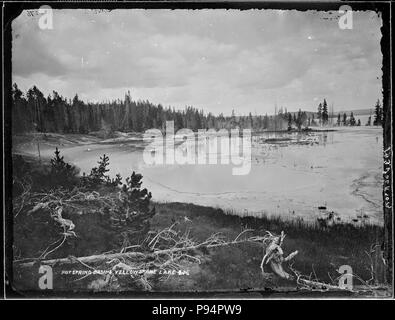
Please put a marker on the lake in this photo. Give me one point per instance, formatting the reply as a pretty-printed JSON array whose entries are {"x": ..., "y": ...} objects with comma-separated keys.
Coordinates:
[{"x": 292, "y": 174}]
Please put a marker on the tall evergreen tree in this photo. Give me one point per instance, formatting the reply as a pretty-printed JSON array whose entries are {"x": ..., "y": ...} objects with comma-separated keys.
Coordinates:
[
  {"x": 319, "y": 113},
  {"x": 299, "y": 120},
  {"x": 344, "y": 119},
  {"x": 325, "y": 115},
  {"x": 289, "y": 121},
  {"x": 352, "y": 119},
  {"x": 378, "y": 114}
]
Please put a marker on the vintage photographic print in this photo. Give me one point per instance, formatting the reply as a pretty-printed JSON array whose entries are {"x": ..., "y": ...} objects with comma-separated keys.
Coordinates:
[{"x": 198, "y": 148}]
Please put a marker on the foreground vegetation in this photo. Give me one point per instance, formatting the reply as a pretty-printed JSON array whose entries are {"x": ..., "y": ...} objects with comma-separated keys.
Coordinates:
[
  {"x": 321, "y": 251},
  {"x": 93, "y": 223}
]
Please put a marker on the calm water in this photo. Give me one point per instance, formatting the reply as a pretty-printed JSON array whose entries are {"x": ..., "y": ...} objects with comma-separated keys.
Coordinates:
[{"x": 291, "y": 174}]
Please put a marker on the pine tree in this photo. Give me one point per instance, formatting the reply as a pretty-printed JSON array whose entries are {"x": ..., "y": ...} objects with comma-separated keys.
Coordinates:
[
  {"x": 21, "y": 113},
  {"x": 61, "y": 172},
  {"x": 266, "y": 121},
  {"x": 289, "y": 121},
  {"x": 319, "y": 113},
  {"x": 136, "y": 205},
  {"x": 352, "y": 119},
  {"x": 312, "y": 122},
  {"x": 16, "y": 93},
  {"x": 251, "y": 123},
  {"x": 325, "y": 115},
  {"x": 377, "y": 114},
  {"x": 299, "y": 120},
  {"x": 233, "y": 119},
  {"x": 98, "y": 175},
  {"x": 37, "y": 103}
]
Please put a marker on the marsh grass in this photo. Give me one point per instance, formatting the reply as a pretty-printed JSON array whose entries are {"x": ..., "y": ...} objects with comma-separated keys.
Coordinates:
[{"x": 321, "y": 251}]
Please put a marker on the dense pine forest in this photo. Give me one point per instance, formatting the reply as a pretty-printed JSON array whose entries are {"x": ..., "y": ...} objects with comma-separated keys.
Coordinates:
[{"x": 35, "y": 112}]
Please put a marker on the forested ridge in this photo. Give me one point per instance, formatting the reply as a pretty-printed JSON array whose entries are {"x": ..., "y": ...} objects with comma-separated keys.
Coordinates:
[{"x": 32, "y": 111}]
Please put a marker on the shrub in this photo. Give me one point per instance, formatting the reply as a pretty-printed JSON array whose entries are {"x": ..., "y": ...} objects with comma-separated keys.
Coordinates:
[
  {"x": 135, "y": 207},
  {"x": 98, "y": 175},
  {"x": 62, "y": 173}
]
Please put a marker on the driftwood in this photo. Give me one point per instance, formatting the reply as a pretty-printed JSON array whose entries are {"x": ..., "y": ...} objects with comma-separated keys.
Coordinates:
[
  {"x": 164, "y": 249},
  {"x": 87, "y": 259},
  {"x": 274, "y": 255},
  {"x": 212, "y": 242},
  {"x": 178, "y": 249}
]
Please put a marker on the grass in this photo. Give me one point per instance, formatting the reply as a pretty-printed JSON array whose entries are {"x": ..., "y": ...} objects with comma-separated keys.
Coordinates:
[{"x": 321, "y": 252}]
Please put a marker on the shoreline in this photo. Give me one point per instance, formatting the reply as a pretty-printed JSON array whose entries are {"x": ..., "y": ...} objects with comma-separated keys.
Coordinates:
[
  {"x": 321, "y": 249},
  {"x": 165, "y": 185}
]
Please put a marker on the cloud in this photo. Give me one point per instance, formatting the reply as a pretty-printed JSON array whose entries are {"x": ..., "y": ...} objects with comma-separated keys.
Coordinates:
[{"x": 213, "y": 59}]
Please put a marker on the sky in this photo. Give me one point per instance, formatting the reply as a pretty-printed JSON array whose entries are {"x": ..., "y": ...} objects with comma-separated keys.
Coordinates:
[{"x": 215, "y": 60}]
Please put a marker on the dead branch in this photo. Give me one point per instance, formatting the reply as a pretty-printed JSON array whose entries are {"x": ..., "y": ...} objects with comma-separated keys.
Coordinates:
[
  {"x": 178, "y": 247},
  {"x": 274, "y": 255}
]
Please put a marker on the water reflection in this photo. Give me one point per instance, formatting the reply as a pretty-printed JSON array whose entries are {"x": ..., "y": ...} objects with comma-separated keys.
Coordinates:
[
  {"x": 293, "y": 138},
  {"x": 290, "y": 172}
]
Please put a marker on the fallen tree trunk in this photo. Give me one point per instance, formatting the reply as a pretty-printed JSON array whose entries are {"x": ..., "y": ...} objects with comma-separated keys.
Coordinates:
[
  {"x": 274, "y": 255},
  {"x": 102, "y": 257},
  {"x": 87, "y": 259}
]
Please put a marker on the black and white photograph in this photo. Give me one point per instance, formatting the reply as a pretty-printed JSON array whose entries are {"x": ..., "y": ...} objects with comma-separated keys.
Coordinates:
[{"x": 218, "y": 149}]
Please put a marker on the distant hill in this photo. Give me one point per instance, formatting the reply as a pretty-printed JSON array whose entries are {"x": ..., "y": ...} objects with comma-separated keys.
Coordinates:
[{"x": 358, "y": 112}]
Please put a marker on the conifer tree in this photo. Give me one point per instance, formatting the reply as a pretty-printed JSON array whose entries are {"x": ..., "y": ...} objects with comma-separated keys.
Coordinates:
[
  {"x": 289, "y": 121},
  {"x": 319, "y": 113},
  {"x": 378, "y": 114},
  {"x": 325, "y": 115}
]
